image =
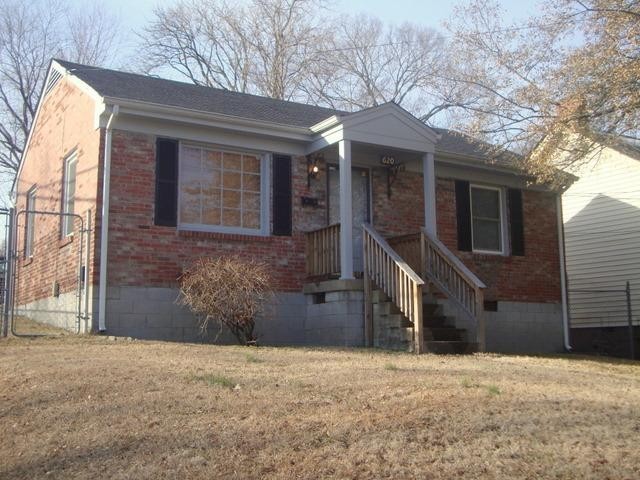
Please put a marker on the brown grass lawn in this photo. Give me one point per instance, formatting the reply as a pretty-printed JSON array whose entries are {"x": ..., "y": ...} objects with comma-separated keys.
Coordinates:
[{"x": 87, "y": 407}]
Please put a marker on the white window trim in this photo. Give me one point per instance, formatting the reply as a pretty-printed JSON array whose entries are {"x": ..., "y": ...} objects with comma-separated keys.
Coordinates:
[
  {"x": 501, "y": 203},
  {"x": 71, "y": 158},
  {"x": 30, "y": 233},
  {"x": 265, "y": 199}
]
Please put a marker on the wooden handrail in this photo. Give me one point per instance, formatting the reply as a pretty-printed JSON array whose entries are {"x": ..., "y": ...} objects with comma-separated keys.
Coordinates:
[
  {"x": 452, "y": 277},
  {"x": 323, "y": 251},
  {"x": 442, "y": 268},
  {"x": 384, "y": 267}
]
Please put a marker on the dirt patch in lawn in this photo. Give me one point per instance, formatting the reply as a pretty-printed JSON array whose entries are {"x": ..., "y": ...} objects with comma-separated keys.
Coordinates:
[{"x": 86, "y": 407}]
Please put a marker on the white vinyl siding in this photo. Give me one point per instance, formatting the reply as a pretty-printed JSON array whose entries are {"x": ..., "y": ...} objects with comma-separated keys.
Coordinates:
[
  {"x": 601, "y": 213},
  {"x": 69, "y": 195}
]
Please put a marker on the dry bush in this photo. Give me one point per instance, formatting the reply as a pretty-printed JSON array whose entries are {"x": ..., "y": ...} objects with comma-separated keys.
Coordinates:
[{"x": 229, "y": 290}]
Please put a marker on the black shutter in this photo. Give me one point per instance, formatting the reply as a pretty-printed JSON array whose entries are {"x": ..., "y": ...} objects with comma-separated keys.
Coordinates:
[
  {"x": 463, "y": 214},
  {"x": 516, "y": 223},
  {"x": 166, "y": 211},
  {"x": 281, "y": 195}
]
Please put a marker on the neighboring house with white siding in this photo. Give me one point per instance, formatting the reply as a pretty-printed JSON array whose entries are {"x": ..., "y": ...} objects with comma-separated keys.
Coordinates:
[{"x": 601, "y": 213}]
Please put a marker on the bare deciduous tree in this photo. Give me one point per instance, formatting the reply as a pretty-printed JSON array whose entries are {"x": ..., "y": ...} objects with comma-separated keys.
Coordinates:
[
  {"x": 367, "y": 63},
  {"x": 31, "y": 33},
  {"x": 574, "y": 68},
  {"x": 265, "y": 47}
]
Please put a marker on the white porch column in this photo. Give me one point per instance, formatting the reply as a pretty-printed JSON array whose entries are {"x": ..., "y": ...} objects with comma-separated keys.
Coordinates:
[
  {"x": 346, "y": 212},
  {"x": 429, "y": 178}
]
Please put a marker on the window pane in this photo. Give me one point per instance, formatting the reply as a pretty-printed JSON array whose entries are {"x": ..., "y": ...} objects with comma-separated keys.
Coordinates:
[
  {"x": 231, "y": 199},
  {"x": 69, "y": 194},
  {"x": 250, "y": 219},
  {"x": 485, "y": 203},
  {"x": 231, "y": 217},
  {"x": 232, "y": 161},
  {"x": 251, "y": 183},
  {"x": 486, "y": 235},
  {"x": 250, "y": 164}
]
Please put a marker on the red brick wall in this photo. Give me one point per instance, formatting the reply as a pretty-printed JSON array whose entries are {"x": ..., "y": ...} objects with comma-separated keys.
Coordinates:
[
  {"x": 141, "y": 253},
  {"x": 534, "y": 277},
  {"x": 65, "y": 123},
  {"x": 403, "y": 212}
]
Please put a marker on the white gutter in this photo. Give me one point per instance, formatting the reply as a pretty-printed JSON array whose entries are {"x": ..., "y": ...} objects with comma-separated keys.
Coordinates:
[
  {"x": 563, "y": 275},
  {"x": 104, "y": 227}
]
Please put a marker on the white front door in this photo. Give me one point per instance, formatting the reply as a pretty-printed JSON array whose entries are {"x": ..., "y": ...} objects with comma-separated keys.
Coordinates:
[{"x": 360, "y": 196}]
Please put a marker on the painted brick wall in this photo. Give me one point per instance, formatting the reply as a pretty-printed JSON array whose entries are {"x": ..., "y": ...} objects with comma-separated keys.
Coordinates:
[
  {"x": 64, "y": 124},
  {"x": 141, "y": 253},
  {"x": 534, "y": 277}
]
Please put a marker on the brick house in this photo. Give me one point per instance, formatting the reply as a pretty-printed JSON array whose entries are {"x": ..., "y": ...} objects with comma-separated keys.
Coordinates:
[{"x": 379, "y": 230}]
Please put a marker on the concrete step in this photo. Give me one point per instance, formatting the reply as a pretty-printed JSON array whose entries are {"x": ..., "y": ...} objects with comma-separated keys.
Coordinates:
[
  {"x": 394, "y": 339},
  {"x": 378, "y": 296},
  {"x": 394, "y": 320},
  {"x": 436, "y": 321},
  {"x": 450, "y": 334},
  {"x": 429, "y": 309},
  {"x": 450, "y": 348},
  {"x": 385, "y": 308}
]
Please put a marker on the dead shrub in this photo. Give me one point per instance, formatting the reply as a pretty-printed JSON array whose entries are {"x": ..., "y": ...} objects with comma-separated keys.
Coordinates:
[{"x": 228, "y": 290}]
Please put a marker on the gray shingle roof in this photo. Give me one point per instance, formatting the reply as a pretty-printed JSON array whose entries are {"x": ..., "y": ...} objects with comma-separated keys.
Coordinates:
[
  {"x": 143, "y": 88},
  {"x": 131, "y": 86}
]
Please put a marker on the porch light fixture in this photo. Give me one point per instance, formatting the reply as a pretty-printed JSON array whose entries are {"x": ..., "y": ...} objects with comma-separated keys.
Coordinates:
[{"x": 312, "y": 167}]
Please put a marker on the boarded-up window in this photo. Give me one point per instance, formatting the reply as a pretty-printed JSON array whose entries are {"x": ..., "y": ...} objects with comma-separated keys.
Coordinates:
[{"x": 220, "y": 189}]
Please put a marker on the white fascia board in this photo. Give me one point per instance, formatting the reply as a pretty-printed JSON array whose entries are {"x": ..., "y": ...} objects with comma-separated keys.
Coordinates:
[
  {"x": 324, "y": 139},
  {"x": 215, "y": 120},
  {"x": 325, "y": 124}
]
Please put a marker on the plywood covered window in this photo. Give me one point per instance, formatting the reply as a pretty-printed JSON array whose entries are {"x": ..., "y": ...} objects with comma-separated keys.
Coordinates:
[{"x": 221, "y": 190}]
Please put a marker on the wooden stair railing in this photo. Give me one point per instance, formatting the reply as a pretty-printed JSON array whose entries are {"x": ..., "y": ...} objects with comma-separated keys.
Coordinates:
[
  {"x": 323, "y": 251},
  {"x": 384, "y": 267},
  {"x": 437, "y": 264}
]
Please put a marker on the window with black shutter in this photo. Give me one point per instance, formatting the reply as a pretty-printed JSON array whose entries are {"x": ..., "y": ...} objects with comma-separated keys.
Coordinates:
[
  {"x": 166, "y": 201},
  {"x": 463, "y": 215},
  {"x": 282, "y": 195}
]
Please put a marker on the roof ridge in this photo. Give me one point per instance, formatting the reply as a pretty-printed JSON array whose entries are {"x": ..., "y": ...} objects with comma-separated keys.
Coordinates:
[{"x": 189, "y": 84}]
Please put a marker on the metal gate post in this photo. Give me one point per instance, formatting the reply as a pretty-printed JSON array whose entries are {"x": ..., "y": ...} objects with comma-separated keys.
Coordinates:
[
  {"x": 8, "y": 272},
  {"x": 630, "y": 320}
]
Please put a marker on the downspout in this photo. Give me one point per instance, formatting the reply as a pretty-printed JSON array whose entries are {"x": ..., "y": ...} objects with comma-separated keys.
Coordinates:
[
  {"x": 104, "y": 226},
  {"x": 563, "y": 275}
]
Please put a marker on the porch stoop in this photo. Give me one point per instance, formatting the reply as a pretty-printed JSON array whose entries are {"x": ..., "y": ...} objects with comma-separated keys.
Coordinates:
[
  {"x": 392, "y": 330},
  {"x": 396, "y": 294}
]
